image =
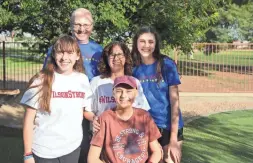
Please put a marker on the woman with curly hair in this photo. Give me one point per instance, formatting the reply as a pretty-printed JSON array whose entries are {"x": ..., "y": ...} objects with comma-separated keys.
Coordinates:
[{"x": 115, "y": 62}]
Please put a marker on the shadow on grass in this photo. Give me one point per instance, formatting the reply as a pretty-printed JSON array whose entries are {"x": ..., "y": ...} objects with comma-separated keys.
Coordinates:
[
  {"x": 220, "y": 138},
  {"x": 11, "y": 146}
]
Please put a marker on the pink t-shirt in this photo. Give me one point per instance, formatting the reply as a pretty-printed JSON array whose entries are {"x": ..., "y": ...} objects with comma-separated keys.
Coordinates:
[{"x": 126, "y": 141}]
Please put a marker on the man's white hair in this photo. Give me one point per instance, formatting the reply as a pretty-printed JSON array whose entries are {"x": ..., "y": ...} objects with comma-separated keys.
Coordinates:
[{"x": 81, "y": 12}]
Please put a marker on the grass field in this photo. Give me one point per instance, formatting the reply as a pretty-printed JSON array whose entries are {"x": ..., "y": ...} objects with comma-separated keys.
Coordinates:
[
  {"x": 220, "y": 138},
  {"x": 18, "y": 49},
  {"x": 23, "y": 66},
  {"x": 11, "y": 145},
  {"x": 242, "y": 58}
]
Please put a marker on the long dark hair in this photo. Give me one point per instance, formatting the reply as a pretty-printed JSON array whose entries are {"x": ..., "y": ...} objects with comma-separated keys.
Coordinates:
[
  {"x": 156, "y": 54},
  {"x": 104, "y": 67}
]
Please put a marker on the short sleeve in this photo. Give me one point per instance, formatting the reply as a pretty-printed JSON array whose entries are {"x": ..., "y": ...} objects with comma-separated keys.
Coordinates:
[
  {"x": 170, "y": 73},
  {"x": 88, "y": 95},
  {"x": 31, "y": 95},
  {"x": 94, "y": 101},
  {"x": 141, "y": 100},
  {"x": 99, "y": 137},
  {"x": 154, "y": 133}
]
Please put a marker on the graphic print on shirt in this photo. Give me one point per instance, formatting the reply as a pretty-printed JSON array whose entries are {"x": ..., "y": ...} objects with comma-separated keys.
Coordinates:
[
  {"x": 152, "y": 81},
  {"x": 68, "y": 94},
  {"x": 130, "y": 145},
  {"x": 106, "y": 99},
  {"x": 90, "y": 59}
]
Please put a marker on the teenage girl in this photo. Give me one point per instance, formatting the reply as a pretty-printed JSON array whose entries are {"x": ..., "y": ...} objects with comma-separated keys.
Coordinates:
[
  {"x": 55, "y": 101},
  {"x": 159, "y": 78}
]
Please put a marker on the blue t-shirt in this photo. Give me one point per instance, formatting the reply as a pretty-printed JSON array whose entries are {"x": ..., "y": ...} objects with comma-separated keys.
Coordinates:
[
  {"x": 91, "y": 54},
  {"x": 157, "y": 94}
]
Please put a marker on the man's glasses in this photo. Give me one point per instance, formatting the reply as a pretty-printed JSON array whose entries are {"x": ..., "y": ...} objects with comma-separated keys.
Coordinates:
[{"x": 85, "y": 26}]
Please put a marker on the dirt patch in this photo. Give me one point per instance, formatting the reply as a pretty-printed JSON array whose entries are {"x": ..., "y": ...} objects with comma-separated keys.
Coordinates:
[
  {"x": 217, "y": 82},
  {"x": 192, "y": 107}
]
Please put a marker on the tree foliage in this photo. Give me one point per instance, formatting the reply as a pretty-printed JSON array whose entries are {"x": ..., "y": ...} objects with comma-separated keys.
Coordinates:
[
  {"x": 235, "y": 23},
  {"x": 179, "y": 22},
  {"x": 9, "y": 11}
]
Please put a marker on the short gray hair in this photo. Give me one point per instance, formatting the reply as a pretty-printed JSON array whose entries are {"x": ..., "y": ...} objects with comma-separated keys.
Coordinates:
[{"x": 80, "y": 11}]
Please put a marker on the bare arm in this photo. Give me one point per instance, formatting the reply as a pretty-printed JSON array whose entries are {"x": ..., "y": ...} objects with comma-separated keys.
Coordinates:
[
  {"x": 174, "y": 101},
  {"x": 94, "y": 154},
  {"x": 92, "y": 118},
  {"x": 89, "y": 115},
  {"x": 28, "y": 132},
  {"x": 174, "y": 150},
  {"x": 28, "y": 129},
  {"x": 156, "y": 152}
]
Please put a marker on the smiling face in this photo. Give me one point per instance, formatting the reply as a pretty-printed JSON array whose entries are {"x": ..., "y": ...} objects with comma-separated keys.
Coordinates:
[
  {"x": 65, "y": 61},
  {"x": 146, "y": 45},
  {"x": 116, "y": 59},
  {"x": 124, "y": 95},
  {"x": 82, "y": 25},
  {"x": 66, "y": 53}
]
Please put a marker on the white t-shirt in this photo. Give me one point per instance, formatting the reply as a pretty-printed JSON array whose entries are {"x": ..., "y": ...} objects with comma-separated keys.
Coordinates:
[
  {"x": 103, "y": 96},
  {"x": 60, "y": 132}
]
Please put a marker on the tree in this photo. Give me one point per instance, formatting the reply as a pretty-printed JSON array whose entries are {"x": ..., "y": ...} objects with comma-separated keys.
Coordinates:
[
  {"x": 234, "y": 23},
  {"x": 8, "y": 15},
  {"x": 179, "y": 22}
]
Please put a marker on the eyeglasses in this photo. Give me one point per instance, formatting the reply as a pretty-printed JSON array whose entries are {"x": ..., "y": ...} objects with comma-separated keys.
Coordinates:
[
  {"x": 113, "y": 55},
  {"x": 85, "y": 26}
]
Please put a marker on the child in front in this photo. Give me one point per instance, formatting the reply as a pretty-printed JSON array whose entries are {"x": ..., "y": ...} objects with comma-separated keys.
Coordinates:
[{"x": 126, "y": 134}]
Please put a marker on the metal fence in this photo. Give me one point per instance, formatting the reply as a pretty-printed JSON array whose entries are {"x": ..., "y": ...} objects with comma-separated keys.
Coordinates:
[
  {"x": 219, "y": 67},
  {"x": 19, "y": 62}
]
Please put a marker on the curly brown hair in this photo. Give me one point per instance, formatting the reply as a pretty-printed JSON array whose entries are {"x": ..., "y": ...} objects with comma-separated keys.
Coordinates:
[{"x": 104, "y": 67}]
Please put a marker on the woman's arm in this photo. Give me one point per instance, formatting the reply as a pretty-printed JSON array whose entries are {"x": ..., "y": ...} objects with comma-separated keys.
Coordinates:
[
  {"x": 174, "y": 102},
  {"x": 173, "y": 151},
  {"x": 89, "y": 115},
  {"x": 92, "y": 118},
  {"x": 156, "y": 152},
  {"x": 28, "y": 129}
]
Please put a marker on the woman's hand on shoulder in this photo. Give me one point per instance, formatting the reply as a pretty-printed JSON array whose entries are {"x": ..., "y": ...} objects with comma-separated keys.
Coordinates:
[{"x": 96, "y": 125}]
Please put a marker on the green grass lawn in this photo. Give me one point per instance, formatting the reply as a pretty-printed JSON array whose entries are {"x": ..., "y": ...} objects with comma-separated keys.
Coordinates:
[
  {"x": 20, "y": 66},
  {"x": 244, "y": 58},
  {"x": 24, "y": 51},
  {"x": 11, "y": 145},
  {"x": 220, "y": 138},
  {"x": 20, "y": 62}
]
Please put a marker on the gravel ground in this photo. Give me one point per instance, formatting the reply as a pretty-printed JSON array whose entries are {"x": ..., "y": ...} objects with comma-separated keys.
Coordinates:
[{"x": 192, "y": 106}]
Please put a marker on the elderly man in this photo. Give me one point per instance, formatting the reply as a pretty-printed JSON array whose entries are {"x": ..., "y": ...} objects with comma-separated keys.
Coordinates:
[{"x": 81, "y": 24}]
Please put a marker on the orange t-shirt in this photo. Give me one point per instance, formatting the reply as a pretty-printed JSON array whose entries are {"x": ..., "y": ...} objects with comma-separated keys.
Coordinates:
[{"x": 126, "y": 141}]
